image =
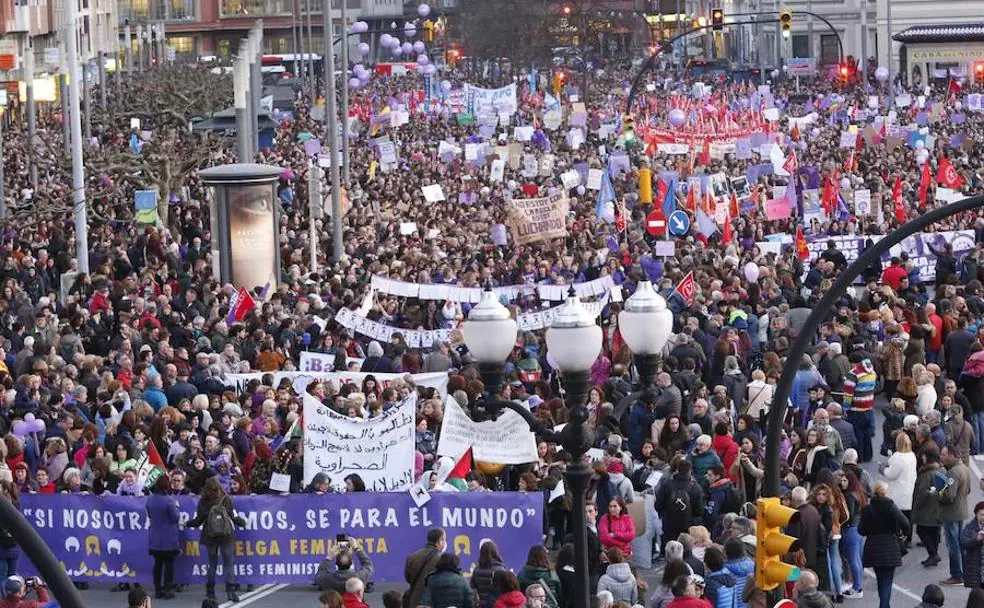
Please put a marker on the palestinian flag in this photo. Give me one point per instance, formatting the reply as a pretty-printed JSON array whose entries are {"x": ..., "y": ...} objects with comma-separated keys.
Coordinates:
[{"x": 151, "y": 467}]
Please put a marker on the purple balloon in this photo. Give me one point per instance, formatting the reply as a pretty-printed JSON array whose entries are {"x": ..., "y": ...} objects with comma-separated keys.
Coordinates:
[
  {"x": 28, "y": 425},
  {"x": 353, "y": 83},
  {"x": 407, "y": 48},
  {"x": 418, "y": 47},
  {"x": 410, "y": 30},
  {"x": 423, "y": 10},
  {"x": 429, "y": 69},
  {"x": 397, "y": 50},
  {"x": 677, "y": 117},
  {"x": 423, "y": 60},
  {"x": 364, "y": 77},
  {"x": 446, "y": 86},
  {"x": 363, "y": 48}
]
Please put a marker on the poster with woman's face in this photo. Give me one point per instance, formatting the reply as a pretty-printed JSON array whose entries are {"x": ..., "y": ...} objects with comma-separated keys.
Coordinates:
[{"x": 252, "y": 236}]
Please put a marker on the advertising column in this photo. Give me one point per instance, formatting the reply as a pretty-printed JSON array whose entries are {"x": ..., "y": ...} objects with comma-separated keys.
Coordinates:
[{"x": 245, "y": 224}]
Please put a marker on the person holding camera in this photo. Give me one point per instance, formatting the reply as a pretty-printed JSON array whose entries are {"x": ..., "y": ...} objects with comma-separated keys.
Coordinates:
[
  {"x": 16, "y": 588},
  {"x": 327, "y": 578}
]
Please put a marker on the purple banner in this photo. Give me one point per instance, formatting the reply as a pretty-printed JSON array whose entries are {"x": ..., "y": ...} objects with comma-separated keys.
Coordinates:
[{"x": 105, "y": 538}]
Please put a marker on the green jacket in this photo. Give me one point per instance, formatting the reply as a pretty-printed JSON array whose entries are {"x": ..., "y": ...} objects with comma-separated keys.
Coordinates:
[
  {"x": 531, "y": 575},
  {"x": 953, "y": 500},
  {"x": 447, "y": 588},
  {"x": 926, "y": 504}
]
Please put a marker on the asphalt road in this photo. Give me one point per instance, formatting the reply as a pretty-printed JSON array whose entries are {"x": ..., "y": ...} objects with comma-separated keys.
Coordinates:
[{"x": 910, "y": 579}]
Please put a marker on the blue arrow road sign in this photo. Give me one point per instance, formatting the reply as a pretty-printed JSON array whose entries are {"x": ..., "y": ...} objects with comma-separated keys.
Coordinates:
[{"x": 679, "y": 223}]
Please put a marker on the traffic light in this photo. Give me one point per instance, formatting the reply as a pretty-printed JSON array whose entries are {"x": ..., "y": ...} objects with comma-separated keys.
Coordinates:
[
  {"x": 786, "y": 23},
  {"x": 771, "y": 544},
  {"x": 453, "y": 56},
  {"x": 567, "y": 10},
  {"x": 645, "y": 186},
  {"x": 979, "y": 71},
  {"x": 429, "y": 31},
  {"x": 717, "y": 19}
]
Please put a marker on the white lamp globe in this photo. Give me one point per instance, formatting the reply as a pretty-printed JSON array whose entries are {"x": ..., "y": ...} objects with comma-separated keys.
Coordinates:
[
  {"x": 574, "y": 339},
  {"x": 490, "y": 331},
  {"x": 646, "y": 321}
]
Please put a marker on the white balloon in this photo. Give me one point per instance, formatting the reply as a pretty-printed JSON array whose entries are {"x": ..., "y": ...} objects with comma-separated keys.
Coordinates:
[
  {"x": 429, "y": 69},
  {"x": 881, "y": 74},
  {"x": 423, "y": 60},
  {"x": 407, "y": 48},
  {"x": 845, "y": 183},
  {"x": 423, "y": 10},
  {"x": 485, "y": 191},
  {"x": 512, "y": 184},
  {"x": 410, "y": 30},
  {"x": 418, "y": 47},
  {"x": 397, "y": 50},
  {"x": 920, "y": 144},
  {"x": 386, "y": 40},
  {"x": 581, "y": 190},
  {"x": 752, "y": 272}
]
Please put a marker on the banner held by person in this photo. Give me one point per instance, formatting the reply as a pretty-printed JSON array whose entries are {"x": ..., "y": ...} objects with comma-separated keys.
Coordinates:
[
  {"x": 507, "y": 440},
  {"x": 379, "y": 450},
  {"x": 436, "y": 380},
  {"x": 105, "y": 538}
]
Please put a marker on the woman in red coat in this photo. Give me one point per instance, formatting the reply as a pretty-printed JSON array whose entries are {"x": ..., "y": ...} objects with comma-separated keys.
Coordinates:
[{"x": 616, "y": 528}]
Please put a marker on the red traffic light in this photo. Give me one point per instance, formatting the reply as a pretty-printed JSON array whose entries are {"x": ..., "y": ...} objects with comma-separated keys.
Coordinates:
[
  {"x": 567, "y": 10},
  {"x": 845, "y": 71},
  {"x": 979, "y": 68}
]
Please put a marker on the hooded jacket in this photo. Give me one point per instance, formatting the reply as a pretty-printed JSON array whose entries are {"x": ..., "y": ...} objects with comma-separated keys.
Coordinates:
[
  {"x": 721, "y": 589},
  {"x": 513, "y": 599},
  {"x": 619, "y": 581},
  {"x": 447, "y": 589},
  {"x": 741, "y": 569}
]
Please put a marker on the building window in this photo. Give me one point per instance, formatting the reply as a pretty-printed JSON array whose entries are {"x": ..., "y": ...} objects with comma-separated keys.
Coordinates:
[
  {"x": 801, "y": 45},
  {"x": 134, "y": 10},
  {"x": 182, "y": 44},
  {"x": 224, "y": 48},
  {"x": 257, "y": 8},
  {"x": 829, "y": 49}
]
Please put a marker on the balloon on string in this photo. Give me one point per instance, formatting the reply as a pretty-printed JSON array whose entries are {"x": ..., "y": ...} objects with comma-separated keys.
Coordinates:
[
  {"x": 752, "y": 272},
  {"x": 446, "y": 86},
  {"x": 407, "y": 48},
  {"x": 364, "y": 76},
  {"x": 775, "y": 74},
  {"x": 511, "y": 184},
  {"x": 423, "y": 60},
  {"x": 429, "y": 69},
  {"x": 363, "y": 48},
  {"x": 410, "y": 30},
  {"x": 845, "y": 183},
  {"x": 363, "y": 26},
  {"x": 581, "y": 190},
  {"x": 677, "y": 117},
  {"x": 418, "y": 47},
  {"x": 485, "y": 191},
  {"x": 881, "y": 74},
  {"x": 28, "y": 425},
  {"x": 423, "y": 10},
  {"x": 353, "y": 83},
  {"x": 386, "y": 40},
  {"x": 397, "y": 50}
]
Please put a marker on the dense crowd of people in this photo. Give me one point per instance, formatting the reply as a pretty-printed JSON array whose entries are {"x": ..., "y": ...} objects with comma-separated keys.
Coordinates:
[{"x": 134, "y": 355}]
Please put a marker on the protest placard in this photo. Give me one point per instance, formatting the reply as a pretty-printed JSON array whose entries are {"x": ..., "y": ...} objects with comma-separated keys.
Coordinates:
[
  {"x": 433, "y": 193},
  {"x": 507, "y": 440},
  {"x": 594, "y": 179},
  {"x": 379, "y": 450},
  {"x": 777, "y": 209},
  {"x": 535, "y": 219}
]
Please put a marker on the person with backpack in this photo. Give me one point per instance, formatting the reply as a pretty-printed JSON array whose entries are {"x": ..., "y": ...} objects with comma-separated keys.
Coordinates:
[
  {"x": 679, "y": 502},
  {"x": 218, "y": 520},
  {"x": 722, "y": 497}
]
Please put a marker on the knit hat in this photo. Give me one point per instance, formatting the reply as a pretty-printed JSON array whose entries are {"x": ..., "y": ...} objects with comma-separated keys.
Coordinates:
[
  {"x": 615, "y": 467},
  {"x": 13, "y": 585}
]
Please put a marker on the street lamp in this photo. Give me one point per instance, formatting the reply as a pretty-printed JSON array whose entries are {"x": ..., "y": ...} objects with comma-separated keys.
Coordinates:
[
  {"x": 646, "y": 323},
  {"x": 574, "y": 341}
]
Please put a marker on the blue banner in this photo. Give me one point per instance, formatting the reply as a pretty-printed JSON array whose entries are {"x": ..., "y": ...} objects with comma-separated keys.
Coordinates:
[{"x": 104, "y": 538}]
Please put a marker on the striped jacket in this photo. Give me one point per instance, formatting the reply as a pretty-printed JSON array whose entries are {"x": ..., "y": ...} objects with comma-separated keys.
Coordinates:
[{"x": 859, "y": 388}]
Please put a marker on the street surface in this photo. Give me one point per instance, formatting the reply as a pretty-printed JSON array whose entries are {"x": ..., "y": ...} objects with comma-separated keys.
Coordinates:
[{"x": 909, "y": 579}]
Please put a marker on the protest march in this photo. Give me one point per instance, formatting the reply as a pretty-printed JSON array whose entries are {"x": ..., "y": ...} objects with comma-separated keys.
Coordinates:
[{"x": 336, "y": 423}]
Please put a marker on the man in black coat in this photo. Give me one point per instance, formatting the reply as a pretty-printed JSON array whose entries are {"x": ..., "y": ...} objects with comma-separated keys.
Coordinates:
[
  {"x": 595, "y": 567},
  {"x": 807, "y": 529},
  {"x": 679, "y": 502}
]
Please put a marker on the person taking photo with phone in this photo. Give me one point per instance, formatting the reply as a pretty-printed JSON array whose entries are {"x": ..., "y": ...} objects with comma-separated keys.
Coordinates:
[
  {"x": 16, "y": 589},
  {"x": 341, "y": 554}
]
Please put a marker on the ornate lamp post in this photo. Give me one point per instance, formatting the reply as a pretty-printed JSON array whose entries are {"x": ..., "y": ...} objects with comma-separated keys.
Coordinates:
[{"x": 574, "y": 340}]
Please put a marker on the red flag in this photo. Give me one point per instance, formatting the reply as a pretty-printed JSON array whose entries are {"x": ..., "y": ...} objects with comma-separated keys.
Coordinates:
[
  {"x": 733, "y": 210},
  {"x": 244, "y": 304},
  {"x": 924, "y": 183},
  {"x": 686, "y": 288},
  {"x": 947, "y": 176},
  {"x": 792, "y": 163},
  {"x": 463, "y": 467},
  {"x": 954, "y": 87},
  {"x": 151, "y": 467},
  {"x": 662, "y": 189},
  {"x": 705, "y": 153},
  {"x": 829, "y": 196},
  {"x": 692, "y": 200},
  {"x": 849, "y": 164},
  {"x": 726, "y": 236},
  {"x": 795, "y": 134},
  {"x": 900, "y": 216},
  {"x": 802, "y": 249},
  {"x": 620, "y": 218},
  {"x": 708, "y": 203}
]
